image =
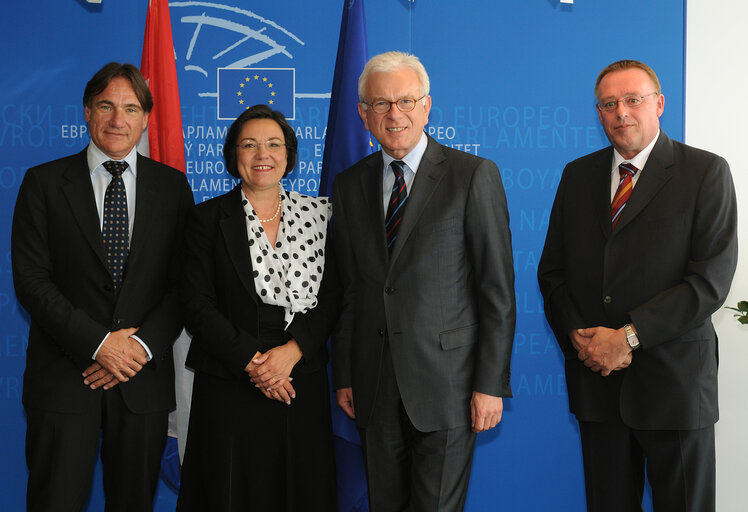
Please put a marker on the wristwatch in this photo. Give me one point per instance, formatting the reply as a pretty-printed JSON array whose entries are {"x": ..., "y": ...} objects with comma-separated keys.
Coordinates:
[{"x": 631, "y": 337}]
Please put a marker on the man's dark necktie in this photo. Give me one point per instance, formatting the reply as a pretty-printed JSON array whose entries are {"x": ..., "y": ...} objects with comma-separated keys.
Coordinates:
[
  {"x": 396, "y": 206},
  {"x": 625, "y": 186},
  {"x": 115, "y": 230}
]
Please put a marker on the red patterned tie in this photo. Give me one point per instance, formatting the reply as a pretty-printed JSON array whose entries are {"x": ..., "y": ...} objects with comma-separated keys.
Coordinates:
[
  {"x": 396, "y": 206},
  {"x": 116, "y": 227},
  {"x": 625, "y": 186}
]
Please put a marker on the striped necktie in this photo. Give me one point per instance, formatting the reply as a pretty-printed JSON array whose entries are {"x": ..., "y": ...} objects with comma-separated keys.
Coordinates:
[
  {"x": 625, "y": 186},
  {"x": 116, "y": 226},
  {"x": 396, "y": 206}
]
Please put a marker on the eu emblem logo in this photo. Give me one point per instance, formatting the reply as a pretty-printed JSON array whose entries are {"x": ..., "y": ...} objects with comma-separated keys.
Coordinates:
[{"x": 241, "y": 88}]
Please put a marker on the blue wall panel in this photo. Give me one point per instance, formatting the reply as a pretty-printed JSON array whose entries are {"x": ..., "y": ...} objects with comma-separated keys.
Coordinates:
[{"x": 510, "y": 80}]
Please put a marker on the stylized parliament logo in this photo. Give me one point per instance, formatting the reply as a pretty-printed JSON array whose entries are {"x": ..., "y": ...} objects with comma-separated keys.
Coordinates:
[{"x": 224, "y": 47}]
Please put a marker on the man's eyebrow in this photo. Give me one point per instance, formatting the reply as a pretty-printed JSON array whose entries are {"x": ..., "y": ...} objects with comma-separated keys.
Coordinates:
[{"x": 111, "y": 103}]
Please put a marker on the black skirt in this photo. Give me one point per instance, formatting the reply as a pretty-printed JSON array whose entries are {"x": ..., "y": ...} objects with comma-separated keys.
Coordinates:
[{"x": 247, "y": 452}]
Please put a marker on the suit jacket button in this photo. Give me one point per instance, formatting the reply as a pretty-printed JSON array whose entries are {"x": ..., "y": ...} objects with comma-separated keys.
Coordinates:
[
  {"x": 608, "y": 299},
  {"x": 389, "y": 290},
  {"x": 381, "y": 332},
  {"x": 116, "y": 321}
]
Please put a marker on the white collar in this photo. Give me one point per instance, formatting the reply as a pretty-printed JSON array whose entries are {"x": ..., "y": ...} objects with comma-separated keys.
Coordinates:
[
  {"x": 412, "y": 159},
  {"x": 640, "y": 160},
  {"x": 96, "y": 157}
]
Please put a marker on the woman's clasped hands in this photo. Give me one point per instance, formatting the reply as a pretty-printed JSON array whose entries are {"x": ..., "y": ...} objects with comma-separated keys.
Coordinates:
[{"x": 271, "y": 371}]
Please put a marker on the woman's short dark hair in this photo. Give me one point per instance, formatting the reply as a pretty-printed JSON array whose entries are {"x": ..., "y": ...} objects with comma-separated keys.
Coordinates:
[
  {"x": 252, "y": 113},
  {"x": 101, "y": 79}
]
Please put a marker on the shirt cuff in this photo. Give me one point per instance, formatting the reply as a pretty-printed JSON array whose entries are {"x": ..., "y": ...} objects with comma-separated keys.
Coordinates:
[
  {"x": 96, "y": 352},
  {"x": 142, "y": 344}
]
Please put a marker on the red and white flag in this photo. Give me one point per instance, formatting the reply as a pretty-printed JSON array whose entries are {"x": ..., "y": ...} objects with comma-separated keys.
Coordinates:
[{"x": 165, "y": 141}]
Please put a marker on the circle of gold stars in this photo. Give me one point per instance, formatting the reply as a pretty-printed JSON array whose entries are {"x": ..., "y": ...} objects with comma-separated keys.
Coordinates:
[{"x": 248, "y": 80}]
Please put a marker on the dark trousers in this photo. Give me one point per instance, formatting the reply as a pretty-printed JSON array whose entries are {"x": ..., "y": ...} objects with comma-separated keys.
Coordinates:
[
  {"x": 680, "y": 466},
  {"x": 410, "y": 470},
  {"x": 61, "y": 453}
]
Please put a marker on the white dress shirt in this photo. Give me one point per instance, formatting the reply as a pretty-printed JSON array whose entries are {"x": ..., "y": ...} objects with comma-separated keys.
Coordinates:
[
  {"x": 100, "y": 179},
  {"x": 412, "y": 160},
  {"x": 639, "y": 161}
]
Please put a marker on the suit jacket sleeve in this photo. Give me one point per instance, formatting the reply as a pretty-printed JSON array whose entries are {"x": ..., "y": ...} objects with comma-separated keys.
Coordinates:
[
  {"x": 217, "y": 335},
  {"x": 162, "y": 324},
  {"x": 312, "y": 329},
  {"x": 343, "y": 334},
  {"x": 709, "y": 268},
  {"x": 560, "y": 310},
  {"x": 71, "y": 327},
  {"x": 489, "y": 247}
]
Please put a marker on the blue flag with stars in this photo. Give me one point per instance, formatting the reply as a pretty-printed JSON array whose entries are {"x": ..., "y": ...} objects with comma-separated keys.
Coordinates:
[
  {"x": 241, "y": 88},
  {"x": 347, "y": 141}
]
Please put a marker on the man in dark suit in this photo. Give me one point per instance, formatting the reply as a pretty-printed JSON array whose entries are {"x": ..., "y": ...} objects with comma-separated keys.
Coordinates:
[
  {"x": 95, "y": 265},
  {"x": 421, "y": 354},
  {"x": 630, "y": 279}
]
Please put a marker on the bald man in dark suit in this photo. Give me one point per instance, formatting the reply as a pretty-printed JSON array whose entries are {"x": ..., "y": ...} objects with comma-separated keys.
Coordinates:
[{"x": 641, "y": 250}]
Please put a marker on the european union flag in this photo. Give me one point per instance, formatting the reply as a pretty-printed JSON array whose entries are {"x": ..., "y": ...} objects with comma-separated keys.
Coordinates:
[
  {"x": 241, "y": 88},
  {"x": 347, "y": 139},
  {"x": 346, "y": 143}
]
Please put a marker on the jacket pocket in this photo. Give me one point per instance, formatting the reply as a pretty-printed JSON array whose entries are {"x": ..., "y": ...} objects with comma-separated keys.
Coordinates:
[{"x": 459, "y": 337}]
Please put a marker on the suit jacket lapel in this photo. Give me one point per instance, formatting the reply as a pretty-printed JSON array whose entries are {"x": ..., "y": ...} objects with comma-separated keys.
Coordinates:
[
  {"x": 371, "y": 188},
  {"x": 657, "y": 171},
  {"x": 234, "y": 229},
  {"x": 79, "y": 193},
  {"x": 145, "y": 208},
  {"x": 430, "y": 172},
  {"x": 601, "y": 189}
]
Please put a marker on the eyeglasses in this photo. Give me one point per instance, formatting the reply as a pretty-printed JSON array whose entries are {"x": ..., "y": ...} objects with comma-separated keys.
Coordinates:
[
  {"x": 403, "y": 104},
  {"x": 631, "y": 101},
  {"x": 273, "y": 146}
]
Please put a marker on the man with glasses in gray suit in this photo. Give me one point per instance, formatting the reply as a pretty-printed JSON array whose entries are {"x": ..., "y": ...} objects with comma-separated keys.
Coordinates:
[{"x": 422, "y": 351}]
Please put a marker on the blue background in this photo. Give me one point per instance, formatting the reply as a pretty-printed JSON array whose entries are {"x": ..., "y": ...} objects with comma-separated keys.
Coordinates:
[{"x": 510, "y": 80}]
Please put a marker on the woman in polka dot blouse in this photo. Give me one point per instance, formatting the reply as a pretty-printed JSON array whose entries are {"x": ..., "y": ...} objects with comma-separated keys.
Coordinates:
[{"x": 260, "y": 303}]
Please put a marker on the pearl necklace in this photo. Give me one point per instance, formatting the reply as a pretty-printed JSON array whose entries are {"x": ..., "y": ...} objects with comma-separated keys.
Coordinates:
[{"x": 277, "y": 211}]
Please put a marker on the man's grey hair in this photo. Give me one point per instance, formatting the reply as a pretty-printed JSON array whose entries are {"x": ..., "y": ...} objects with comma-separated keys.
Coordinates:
[{"x": 392, "y": 61}]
